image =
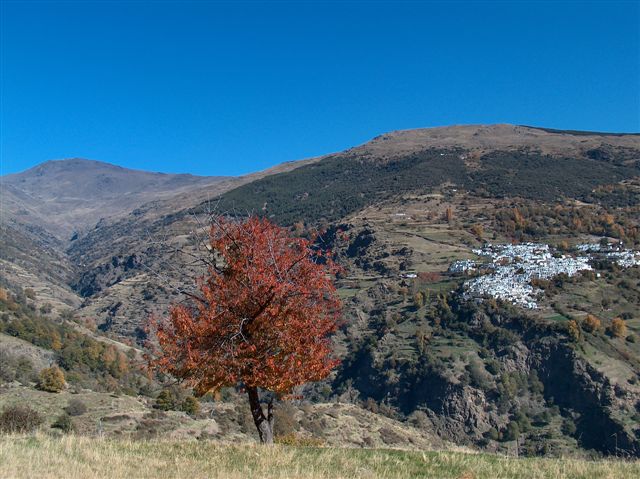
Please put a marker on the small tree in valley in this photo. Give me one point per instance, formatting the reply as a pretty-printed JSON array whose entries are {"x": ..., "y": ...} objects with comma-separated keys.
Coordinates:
[{"x": 261, "y": 319}]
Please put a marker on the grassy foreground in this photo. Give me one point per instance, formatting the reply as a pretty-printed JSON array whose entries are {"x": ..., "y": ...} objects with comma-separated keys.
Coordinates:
[{"x": 83, "y": 457}]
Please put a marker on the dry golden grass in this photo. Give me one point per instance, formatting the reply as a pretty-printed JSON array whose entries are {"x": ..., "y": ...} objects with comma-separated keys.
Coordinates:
[{"x": 76, "y": 457}]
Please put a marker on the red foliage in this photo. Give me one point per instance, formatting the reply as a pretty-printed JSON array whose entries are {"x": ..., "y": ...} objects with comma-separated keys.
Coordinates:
[
  {"x": 263, "y": 316},
  {"x": 429, "y": 277}
]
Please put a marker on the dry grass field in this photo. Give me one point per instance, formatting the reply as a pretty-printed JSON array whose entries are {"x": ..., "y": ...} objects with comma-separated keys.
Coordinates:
[{"x": 76, "y": 457}]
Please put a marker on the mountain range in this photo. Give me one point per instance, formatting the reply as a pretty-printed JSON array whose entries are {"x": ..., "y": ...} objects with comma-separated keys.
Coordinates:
[{"x": 99, "y": 242}]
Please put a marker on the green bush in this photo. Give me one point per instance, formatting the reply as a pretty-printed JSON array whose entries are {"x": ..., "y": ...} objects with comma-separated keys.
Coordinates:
[
  {"x": 524, "y": 423},
  {"x": 492, "y": 434},
  {"x": 512, "y": 432},
  {"x": 536, "y": 386},
  {"x": 190, "y": 405},
  {"x": 64, "y": 423},
  {"x": 477, "y": 375},
  {"x": 569, "y": 427},
  {"x": 75, "y": 407},
  {"x": 165, "y": 401}
]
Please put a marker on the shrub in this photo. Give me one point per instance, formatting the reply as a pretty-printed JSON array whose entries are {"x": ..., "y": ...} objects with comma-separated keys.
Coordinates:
[
  {"x": 314, "y": 425},
  {"x": 492, "y": 365},
  {"x": 245, "y": 419},
  {"x": 64, "y": 423},
  {"x": 19, "y": 419},
  {"x": 46, "y": 308},
  {"x": 591, "y": 324},
  {"x": 618, "y": 328},
  {"x": 477, "y": 375},
  {"x": 190, "y": 405},
  {"x": 536, "y": 386},
  {"x": 512, "y": 432},
  {"x": 390, "y": 437},
  {"x": 542, "y": 418},
  {"x": 419, "y": 419},
  {"x": 569, "y": 427},
  {"x": 165, "y": 401},
  {"x": 75, "y": 407},
  {"x": 524, "y": 423},
  {"x": 52, "y": 379}
]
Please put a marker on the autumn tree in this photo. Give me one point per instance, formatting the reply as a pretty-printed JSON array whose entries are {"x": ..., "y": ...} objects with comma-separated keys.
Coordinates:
[
  {"x": 448, "y": 214},
  {"x": 518, "y": 218},
  {"x": 52, "y": 379},
  {"x": 261, "y": 318},
  {"x": 618, "y": 328},
  {"x": 573, "y": 330},
  {"x": 418, "y": 299},
  {"x": 591, "y": 323},
  {"x": 478, "y": 231}
]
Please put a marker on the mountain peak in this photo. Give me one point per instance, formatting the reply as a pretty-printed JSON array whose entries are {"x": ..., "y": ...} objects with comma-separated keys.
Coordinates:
[{"x": 74, "y": 193}]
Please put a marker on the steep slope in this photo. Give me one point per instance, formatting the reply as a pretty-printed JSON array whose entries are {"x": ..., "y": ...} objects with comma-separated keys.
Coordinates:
[
  {"x": 45, "y": 207},
  {"x": 493, "y": 161}
]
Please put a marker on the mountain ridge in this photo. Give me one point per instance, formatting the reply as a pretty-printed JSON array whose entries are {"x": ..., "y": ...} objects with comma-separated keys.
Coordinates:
[{"x": 73, "y": 194}]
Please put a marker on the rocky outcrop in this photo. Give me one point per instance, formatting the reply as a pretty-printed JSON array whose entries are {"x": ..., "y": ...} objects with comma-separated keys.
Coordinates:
[{"x": 574, "y": 384}]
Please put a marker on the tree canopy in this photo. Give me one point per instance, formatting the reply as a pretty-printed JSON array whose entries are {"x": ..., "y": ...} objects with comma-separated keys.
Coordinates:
[{"x": 262, "y": 317}]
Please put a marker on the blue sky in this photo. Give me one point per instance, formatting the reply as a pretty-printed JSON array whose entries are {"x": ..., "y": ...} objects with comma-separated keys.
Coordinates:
[{"x": 229, "y": 88}]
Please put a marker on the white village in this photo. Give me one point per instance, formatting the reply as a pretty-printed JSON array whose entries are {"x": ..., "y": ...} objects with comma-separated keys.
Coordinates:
[{"x": 511, "y": 268}]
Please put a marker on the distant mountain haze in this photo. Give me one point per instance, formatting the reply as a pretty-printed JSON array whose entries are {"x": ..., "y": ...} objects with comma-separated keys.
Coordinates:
[{"x": 74, "y": 194}]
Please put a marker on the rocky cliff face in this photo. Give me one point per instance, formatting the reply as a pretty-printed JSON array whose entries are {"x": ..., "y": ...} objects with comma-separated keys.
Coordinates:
[{"x": 571, "y": 382}]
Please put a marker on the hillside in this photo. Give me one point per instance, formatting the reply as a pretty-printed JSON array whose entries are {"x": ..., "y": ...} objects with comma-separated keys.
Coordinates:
[
  {"x": 48, "y": 207},
  {"x": 491, "y": 161},
  {"x": 397, "y": 212}
]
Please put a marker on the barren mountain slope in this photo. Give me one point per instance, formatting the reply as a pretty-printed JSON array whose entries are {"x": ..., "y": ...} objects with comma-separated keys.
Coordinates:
[
  {"x": 67, "y": 196},
  {"x": 481, "y": 138}
]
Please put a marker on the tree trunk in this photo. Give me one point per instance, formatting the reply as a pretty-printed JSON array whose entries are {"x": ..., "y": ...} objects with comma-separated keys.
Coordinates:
[{"x": 264, "y": 424}]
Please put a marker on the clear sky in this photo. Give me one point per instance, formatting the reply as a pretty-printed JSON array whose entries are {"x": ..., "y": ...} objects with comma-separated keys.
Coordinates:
[{"x": 229, "y": 88}]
